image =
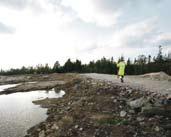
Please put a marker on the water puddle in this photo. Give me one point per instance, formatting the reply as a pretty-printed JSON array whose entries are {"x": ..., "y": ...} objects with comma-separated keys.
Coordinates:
[
  {"x": 18, "y": 113},
  {"x": 3, "y": 87}
]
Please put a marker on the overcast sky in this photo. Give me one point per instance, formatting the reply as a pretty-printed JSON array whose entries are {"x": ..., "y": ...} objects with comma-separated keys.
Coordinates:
[{"x": 43, "y": 31}]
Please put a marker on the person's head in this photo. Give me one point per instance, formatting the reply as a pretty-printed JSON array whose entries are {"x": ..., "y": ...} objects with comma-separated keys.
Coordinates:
[{"x": 122, "y": 59}]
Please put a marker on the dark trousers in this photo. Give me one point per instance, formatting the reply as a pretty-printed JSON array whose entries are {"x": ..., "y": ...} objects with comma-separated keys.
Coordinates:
[{"x": 122, "y": 78}]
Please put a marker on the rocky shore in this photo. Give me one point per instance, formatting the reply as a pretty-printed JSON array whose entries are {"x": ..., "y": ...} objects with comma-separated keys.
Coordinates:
[{"x": 95, "y": 108}]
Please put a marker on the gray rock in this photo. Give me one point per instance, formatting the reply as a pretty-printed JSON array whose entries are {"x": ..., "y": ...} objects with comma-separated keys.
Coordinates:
[
  {"x": 112, "y": 97},
  {"x": 157, "y": 129},
  {"x": 38, "y": 129},
  {"x": 129, "y": 91},
  {"x": 42, "y": 133},
  {"x": 55, "y": 127},
  {"x": 81, "y": 129},
  {"x": 137, "y": 103},
  {"x": 76, "y": 126},
  {"x": 115, "y": 100},
  {"x": 123, "y": 113},
  {"x": 147, "y": 106},
  {"x": 131, "y": 111},
  {"x": 140, "y": 119}
]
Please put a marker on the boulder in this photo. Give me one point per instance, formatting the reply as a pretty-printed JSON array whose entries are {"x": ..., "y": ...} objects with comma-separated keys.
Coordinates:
[{"x": 137, "y": 103}]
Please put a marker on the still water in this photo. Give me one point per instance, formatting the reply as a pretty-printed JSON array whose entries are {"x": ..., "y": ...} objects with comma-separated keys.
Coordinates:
[
  {"x": 3, "y": 87},
  {"x": 18, "y": 113}
]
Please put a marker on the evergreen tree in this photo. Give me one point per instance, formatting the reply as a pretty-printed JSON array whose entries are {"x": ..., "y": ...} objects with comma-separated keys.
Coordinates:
[
  {"x": 56, "y": 67},
  {"x": 68, "y": 66},
  {"x": 159, "y": 58}
]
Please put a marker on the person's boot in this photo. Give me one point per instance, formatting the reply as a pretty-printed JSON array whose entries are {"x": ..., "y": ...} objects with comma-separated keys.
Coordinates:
[{"x": 122, "y": 79}]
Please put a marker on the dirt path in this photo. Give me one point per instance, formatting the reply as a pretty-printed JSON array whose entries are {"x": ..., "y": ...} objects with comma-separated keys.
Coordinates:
[{"x": 159, "y": 86}]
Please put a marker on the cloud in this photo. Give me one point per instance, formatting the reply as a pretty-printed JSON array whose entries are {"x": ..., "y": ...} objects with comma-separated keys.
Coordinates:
[
  {"x": 112, "y": 5},
  {"x": 136, "y": 35},
  {"x": 107, "y": 13},
  {"x": 87, "y": 48},
  {"x": 83, "y": 29},
  {"x": 6, "y": 29},
  {"x": 34, "y": 5},
  {"x": 88, "y": 12},
  {"x": 15, "y": 3},
  {"x": 164, "y": 39}
]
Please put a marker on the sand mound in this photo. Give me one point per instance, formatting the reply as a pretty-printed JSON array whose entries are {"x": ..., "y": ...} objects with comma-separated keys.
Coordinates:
[{"x": 157, "y": 76}]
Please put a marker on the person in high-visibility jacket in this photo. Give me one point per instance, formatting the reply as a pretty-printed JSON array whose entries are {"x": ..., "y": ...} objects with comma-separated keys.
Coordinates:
[{"x": 121, "y": 72}]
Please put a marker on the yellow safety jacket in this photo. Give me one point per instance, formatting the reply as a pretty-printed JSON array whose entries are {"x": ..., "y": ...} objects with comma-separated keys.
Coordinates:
[{"x": 121, "y": 65}]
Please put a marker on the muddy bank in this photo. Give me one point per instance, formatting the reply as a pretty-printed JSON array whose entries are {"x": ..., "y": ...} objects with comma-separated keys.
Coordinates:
[
  {"x": 33, "y": 77},
  {"x": 44, "y": 85},
  {"x": 92, "y": 108},
  {"x": 35, "y": 82}
]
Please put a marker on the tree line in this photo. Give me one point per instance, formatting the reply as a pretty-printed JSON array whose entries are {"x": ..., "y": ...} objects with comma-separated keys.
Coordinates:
[{"x": 141, "y": 65}]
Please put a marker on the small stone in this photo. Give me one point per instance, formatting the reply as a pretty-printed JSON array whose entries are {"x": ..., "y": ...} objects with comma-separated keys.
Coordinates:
[
  {"x": 123, "y": 113},
  {"x": 157, "y": 129},
  {"x": 115, "y": 100},
  {"x": 48, "y": 131},
  {"x": 140, "y": 119},
  {"x": 135, "y": 135},
  {"x": 129, "y": 91},
  {"x": 81, "y": 129},
  {"x": 112, "y": 97},
  {"x": 120, "y": 106},
  {"x": 137, "y": 103},
  {"x": 132, "y": 111},
  {"x": 55, "y": 127},
  {"x": 38, "y": 129},
  {"x": 76, "y": 126},
  {"x": 90, "y": 104},
  {"x": 142, "y": 123},
  {"x": 42, "y": 133}
]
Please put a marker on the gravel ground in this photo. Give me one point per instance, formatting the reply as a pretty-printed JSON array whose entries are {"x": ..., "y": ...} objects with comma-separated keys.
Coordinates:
[
  {"x": 157, "y": 86},
  {"x": 98, "y": 108}
]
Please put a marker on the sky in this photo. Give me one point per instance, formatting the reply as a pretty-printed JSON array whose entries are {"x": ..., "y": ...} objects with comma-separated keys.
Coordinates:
[{"x": 43, "y": 31}]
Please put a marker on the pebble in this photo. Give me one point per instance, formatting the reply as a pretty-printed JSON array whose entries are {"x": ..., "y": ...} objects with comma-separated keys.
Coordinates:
[
  {"x": 42, "y": 133},
  {"x": 157, "y": 129},
  {"x": 129, "y": 91},
  {"x": 137, "y": 103},
  {"x": 38, "y": 129},
  {"x": 112, "y": 97},
  {"x": 120, "y": 106},
  {"x": 55, "y": 127},
  {"x": 140, "y": 119},
  {"x": 131, "y": 111},
  {"x": 76, "y": 126},
  {"x": 115, "y": 100},
  {"x": 81, "y": 129},
  {"x": 123, "y": 113}
]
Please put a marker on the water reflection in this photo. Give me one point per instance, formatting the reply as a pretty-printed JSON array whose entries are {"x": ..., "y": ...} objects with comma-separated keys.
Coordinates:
[
  {"x": 18, "y": 113},
  {"x": 3, "y": 87}
]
